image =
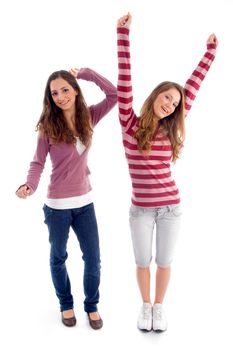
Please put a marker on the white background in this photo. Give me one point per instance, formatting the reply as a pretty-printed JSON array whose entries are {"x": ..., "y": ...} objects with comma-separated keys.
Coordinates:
[{"x": 168, "y": 38}]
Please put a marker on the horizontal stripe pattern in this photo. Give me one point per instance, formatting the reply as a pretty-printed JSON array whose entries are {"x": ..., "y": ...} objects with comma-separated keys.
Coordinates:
[
  {"x": 152, "y": 183},
  {"x": 193, "y": 83}
]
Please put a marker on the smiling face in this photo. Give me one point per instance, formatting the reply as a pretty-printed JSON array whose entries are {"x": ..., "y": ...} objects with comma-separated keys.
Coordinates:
[
  {"x": 166, "y": 103},
  {"x": 63, "y": 94}
]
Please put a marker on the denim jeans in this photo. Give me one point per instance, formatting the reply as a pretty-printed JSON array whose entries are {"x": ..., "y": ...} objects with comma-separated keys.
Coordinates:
[
  {"x": 142, "y": 223},
  {"x": 83, "y": 222}
]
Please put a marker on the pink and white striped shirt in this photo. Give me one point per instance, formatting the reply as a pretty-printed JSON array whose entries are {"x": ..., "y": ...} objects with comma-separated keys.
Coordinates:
[{"x": 152, "y": 182}]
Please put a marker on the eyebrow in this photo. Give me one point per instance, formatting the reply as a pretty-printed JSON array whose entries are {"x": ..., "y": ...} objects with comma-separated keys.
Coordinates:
[{"x": 63, "y": 87}]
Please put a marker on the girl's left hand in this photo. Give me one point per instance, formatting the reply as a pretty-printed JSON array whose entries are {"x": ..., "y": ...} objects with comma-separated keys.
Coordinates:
[
  {"x": 74, "y": 72},
  {"x": 212, "y": 39}
]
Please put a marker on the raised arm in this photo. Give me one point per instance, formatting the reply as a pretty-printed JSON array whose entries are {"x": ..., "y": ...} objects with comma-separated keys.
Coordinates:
[
  {"x": 124, "y": 85},
  {"x": 99, "y": 110},
  {"x": 194, "y": 82}
]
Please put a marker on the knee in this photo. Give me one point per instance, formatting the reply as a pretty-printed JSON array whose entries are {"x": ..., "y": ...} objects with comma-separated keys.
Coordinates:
[
  {"x": 93, "y": 267},
  {"x": 143, "y": 262},
  {"x": 58, "y": 260},
  {"x": 163, "y": 263},
  {"x": 164, "y": 257}
]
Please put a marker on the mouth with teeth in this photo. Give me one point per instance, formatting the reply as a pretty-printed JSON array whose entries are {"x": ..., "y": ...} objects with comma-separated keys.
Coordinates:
[
  {"x": 164, "y": 110},
  {"x": 63, "y": 103}
]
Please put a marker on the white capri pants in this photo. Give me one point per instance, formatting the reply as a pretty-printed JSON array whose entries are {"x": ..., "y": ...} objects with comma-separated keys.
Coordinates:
[{"x": 142, "y": 222}]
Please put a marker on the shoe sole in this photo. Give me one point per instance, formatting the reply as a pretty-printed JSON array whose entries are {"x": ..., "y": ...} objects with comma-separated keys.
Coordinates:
[
  {"x": 145, "y": 330},
  {"x": 159, "y": 330}
]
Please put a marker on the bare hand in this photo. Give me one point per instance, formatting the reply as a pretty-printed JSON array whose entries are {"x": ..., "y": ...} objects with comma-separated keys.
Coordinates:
[
  {"x": 212, "y": 39},
  {"x": 74, "y": 72},
  {"x": 23, "y": 192},
  {"x": 125, "y": 21}
]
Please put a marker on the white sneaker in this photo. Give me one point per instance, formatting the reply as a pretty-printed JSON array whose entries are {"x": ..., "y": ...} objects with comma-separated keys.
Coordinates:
[
  {"x": 144, "y": 322},
  {"x": 159, "y": 318}
]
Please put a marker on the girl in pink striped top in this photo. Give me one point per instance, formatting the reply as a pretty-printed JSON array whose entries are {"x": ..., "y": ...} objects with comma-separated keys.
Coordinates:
[{"x": 152, "y": 141}]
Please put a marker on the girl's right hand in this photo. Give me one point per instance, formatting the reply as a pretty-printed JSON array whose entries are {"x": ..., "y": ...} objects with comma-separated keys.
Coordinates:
[
  {"x": 125, "y": 21},
  {"x": 23, "y": 191}
]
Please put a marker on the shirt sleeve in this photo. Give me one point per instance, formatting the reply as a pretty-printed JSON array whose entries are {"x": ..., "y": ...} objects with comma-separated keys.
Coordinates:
[
  {"x": 124, "y": 86},
  {"x": 99, "y": 110},
  {"x": 37, "y": 165},
  {"x": 193, "y": 84}
]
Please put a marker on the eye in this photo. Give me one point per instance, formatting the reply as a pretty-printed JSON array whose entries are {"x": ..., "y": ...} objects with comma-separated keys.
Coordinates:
[
  {"x": 65, "y": 90},
  {"x": 54, "y": 93}
]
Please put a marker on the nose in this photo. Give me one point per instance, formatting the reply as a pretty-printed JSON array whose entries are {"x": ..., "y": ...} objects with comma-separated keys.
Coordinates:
[
  {"x": 59, "y": 97},
  {"x": 170, "y": 107}
]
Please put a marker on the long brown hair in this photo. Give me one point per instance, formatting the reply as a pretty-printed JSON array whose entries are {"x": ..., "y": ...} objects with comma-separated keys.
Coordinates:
[
  {"x": 52, "y": 122},
  {"x": 173, "y": 125}
]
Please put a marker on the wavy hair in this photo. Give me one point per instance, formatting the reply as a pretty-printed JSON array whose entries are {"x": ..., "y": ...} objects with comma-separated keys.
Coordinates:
[
  {"x": 52, "y": 122},
  {"x": 172, "y": 125}
]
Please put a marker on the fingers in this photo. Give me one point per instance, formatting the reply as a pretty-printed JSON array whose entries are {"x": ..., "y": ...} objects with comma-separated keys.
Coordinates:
[
  {"x": 125, "y": 21},
  {"x": 74, "y": 72},
  {"x": 212, "y": 39},
  {"x": 215, "y": 40},
  {"x": 23, "y": 192}
]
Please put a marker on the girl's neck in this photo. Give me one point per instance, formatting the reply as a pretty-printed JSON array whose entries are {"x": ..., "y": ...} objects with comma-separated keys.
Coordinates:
[
  {"x": 70, "y": 120},
  {"x": 69, "y": 115}
]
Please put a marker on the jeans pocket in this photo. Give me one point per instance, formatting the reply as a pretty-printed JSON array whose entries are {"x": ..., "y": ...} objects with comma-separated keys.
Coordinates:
[
  {"x": 135, "y": 212},
  {"x": 47, "y": 213},
  {"x": 176, "y": 210}
]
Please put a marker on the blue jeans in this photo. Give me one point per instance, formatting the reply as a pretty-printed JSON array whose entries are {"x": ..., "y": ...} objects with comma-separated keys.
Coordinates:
[{"x": 83, "y": 222}]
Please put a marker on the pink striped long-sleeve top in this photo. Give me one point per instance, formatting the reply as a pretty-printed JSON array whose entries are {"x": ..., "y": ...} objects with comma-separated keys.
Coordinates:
[{"x": 152, "y": 182}]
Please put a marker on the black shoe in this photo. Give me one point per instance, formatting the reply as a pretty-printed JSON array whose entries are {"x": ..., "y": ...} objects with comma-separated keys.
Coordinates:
[{"x": 95, "y": 324}]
